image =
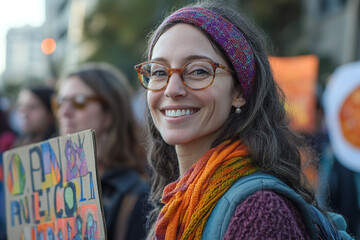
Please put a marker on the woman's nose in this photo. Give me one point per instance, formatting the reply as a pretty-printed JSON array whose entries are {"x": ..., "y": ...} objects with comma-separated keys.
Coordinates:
[
  {"x": 175, "y": 87},
  {"x": 65, "y": 109}
]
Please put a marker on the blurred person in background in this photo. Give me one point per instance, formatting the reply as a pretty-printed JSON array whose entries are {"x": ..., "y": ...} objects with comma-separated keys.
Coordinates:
[
  {"x": 97, "y": 96},
  {"x": 341, "y": 190},
  {"x": 339, "y": 168},
  {"x": 7, "y": 135},
  {"x": 37, "y": 122},
  {"x": 7, "y": 139}
]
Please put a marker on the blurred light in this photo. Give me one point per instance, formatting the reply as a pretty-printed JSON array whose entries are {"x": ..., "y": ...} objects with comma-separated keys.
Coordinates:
[{"x": 48, "y": 46}]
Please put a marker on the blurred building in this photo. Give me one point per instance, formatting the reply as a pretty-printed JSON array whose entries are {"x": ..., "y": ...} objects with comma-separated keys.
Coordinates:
[
  {"x": 332, "y": 29},
  {"x": 56, "y": 27},
  {"x": 64, "y": 23},
  {"x": 24, "y": 59}
]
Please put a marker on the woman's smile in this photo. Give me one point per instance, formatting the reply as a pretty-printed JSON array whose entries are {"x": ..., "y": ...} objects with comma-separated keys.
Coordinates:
[{"x": 179, "y": 112}]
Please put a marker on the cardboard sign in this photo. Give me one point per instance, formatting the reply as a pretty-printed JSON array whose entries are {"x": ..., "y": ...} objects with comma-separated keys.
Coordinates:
[
  {"x": 297, "y": 77},
  {"x": 52, "y": 190},
  {"x": 342, "y": 114}
]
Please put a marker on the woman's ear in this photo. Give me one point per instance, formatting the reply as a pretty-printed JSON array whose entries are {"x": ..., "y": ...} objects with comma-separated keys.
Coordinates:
[{"x": 238, "y": 98}]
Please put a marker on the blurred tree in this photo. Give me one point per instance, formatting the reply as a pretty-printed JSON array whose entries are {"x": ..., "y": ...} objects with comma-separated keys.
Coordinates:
[
  {"x": 117, "y": 30},
  {"x": 280, "y": 19},
  {"x": 11, "y": 90}
]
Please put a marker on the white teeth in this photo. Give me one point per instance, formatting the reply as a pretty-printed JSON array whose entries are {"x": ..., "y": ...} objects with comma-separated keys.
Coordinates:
[{"x": 178, "y": 112}]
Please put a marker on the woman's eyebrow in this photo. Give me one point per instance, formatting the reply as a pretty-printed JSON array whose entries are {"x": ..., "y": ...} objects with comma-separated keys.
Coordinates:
[
  {"x": 195, "y": 57},
  {"x": 184, "y": 61}
]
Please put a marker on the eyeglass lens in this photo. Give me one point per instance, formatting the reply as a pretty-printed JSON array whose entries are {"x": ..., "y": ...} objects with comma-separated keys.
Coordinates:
[{"x": 78, "y": 101}]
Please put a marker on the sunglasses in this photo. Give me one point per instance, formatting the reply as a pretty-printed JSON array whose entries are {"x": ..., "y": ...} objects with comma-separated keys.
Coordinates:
[{"x": 78, "y": 101}]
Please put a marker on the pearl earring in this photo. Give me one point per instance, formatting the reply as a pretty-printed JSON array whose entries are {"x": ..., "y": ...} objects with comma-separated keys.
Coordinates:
[{"x": 238, "y": 110}]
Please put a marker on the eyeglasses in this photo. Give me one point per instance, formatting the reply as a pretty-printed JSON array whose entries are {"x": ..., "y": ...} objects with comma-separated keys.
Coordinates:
[
  {"x": 77, "y": 101},
  {"x": 196, "y": 75}
]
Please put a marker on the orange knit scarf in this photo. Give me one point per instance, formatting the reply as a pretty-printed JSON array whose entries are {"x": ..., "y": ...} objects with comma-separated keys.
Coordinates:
[{"x": 190, "y": 200}]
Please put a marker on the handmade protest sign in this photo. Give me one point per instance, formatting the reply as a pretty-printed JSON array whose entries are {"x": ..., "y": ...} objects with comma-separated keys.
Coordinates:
[
  {"x": 297, "y": 77},
  {"x": 52, "y": 190}
]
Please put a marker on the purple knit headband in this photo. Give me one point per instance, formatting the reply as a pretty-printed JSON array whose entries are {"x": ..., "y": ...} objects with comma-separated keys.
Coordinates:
[{"x": 228, "y": 37}]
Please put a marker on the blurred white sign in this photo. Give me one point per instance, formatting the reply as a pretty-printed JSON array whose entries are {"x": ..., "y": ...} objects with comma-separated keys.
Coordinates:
[{"x": 342, "y": 114}]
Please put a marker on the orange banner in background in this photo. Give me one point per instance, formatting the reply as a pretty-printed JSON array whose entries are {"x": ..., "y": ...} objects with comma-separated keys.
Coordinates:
[{"x": 297, "y": 77}]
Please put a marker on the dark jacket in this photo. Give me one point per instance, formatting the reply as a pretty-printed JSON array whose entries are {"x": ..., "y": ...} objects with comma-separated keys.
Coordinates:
[{"x": 124, "y": 196}]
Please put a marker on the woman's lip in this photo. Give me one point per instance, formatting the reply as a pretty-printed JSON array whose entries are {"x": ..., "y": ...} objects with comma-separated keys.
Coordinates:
[{"x": 176, "y": 107}]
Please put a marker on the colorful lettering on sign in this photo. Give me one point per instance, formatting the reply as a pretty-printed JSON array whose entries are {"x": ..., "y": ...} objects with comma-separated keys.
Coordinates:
[
  {"x": 16, "y": 176},
  {"x": 76, "y": 161},
  {"x": 45, "y": 231},
  {"x": 44, "y": 167},
  {"x": 70, "y": 199},
  {"x": 50, "y": 165},
  {"x": 20, "y": 209},
  {"x": 91, "y": 227}
]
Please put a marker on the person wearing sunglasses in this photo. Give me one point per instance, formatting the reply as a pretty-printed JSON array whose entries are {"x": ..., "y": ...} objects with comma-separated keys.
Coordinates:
[
  {"x": 97, "y": 96},
  {"x": 216, "y": 115}
]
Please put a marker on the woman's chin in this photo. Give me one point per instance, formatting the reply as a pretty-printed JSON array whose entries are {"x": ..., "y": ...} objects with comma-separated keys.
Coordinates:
[{"x": 174, "y": 140}]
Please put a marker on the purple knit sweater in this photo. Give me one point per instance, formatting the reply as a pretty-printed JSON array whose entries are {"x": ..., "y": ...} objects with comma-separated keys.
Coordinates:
[{"x": 266, "y": 215}]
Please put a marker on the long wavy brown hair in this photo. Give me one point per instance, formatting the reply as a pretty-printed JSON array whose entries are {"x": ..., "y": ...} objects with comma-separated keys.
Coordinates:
[
  {"x": 124, "y": 147},
  {"x": 262, "y": 124}
]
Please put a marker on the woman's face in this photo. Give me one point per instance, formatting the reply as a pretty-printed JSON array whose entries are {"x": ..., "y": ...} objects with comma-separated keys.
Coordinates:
[
  {"x": 35, "y": 118},
  {"x": 73, "y": 119},
  {"x": 208, "y": 108}
]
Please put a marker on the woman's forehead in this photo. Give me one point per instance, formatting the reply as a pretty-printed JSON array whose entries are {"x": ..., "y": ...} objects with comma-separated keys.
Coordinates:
[
  {"x": 74, "y": 85},
  {"x": 183, "y": 40}
]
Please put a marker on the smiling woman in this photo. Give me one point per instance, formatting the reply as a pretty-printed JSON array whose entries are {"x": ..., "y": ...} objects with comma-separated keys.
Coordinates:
[
  {"x": 215, "y": 116},
  {"x": 209, "y": 106}
]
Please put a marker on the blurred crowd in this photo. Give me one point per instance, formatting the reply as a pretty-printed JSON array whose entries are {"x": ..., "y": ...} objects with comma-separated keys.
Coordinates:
[
  {"x": 94, "y": 96},
  {"x": 98, "y": 96}
]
